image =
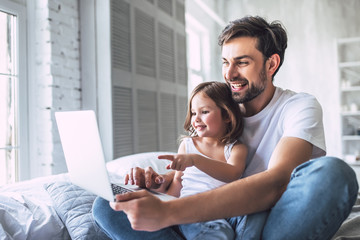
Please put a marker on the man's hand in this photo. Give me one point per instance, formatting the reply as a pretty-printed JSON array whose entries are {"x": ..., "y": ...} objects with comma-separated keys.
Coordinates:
[
  {"x": 148, "y": 178},
  {"x": 144, "y": 211}
]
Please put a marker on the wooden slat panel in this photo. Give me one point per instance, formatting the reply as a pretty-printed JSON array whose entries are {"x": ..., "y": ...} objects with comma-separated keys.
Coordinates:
[
  {"x": 145, "y": 44},
  {"x": 168, "y": 122},
  {"x": 145, "y": 99},
  {"x": 181, "y": 59},
  {"x": 166, "y": 53},
  {"x": 120, "y": 35},
  {"x": 166, "y": 6},
  {"x": 147, "y": 121},
  {"x": 180, "y": 12},
  {"x": 181, "y": 114},
  {"x": 123, "y": 126}
]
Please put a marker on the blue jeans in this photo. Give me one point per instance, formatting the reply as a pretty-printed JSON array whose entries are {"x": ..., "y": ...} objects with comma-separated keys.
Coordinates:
[
  {"x": 319, "y": 197},
  {"x": 246, "y": 227}
]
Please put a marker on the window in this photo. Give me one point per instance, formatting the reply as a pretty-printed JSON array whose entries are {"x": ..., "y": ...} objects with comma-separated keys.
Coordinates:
[
  {"x": 12, "y": 86},
  {"x": 194, "y": 60},
  {"x": 197, "y": 47},
  {"x": 203, "y": 25}
]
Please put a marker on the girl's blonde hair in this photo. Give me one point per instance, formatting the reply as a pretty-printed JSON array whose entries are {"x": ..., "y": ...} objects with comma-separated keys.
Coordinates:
[{"x": 221, "y": 94}]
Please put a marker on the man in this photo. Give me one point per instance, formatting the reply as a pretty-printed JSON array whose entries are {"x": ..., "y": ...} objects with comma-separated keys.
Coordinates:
[{"x": 307, "y": 199}]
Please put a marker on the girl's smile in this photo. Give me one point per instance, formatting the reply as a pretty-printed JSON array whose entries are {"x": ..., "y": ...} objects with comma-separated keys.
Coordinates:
[{"x": 206, "y": 117}]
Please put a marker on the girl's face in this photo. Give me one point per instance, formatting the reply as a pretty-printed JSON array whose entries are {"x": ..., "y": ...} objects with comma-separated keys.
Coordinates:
[{"x": 206, "y": 117}]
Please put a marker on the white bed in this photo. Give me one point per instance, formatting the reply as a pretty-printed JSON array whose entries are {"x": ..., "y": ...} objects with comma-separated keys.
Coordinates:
[{"x": 53, "y": 208}]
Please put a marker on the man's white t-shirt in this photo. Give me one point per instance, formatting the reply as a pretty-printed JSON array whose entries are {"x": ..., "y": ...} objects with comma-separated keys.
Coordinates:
[{"x": 288, "y": 114}]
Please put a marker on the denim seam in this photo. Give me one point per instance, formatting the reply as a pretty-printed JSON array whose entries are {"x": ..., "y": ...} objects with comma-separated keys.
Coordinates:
[
  {"x": 241, "y": 236},
  {"x": 176, "y": 235}
]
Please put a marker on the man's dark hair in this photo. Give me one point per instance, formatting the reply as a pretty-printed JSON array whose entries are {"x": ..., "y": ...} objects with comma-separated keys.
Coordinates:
[{"x": 271, "y": 37}]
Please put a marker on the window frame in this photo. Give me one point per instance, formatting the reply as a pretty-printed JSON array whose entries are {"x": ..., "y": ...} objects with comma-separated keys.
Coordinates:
[{"x": 22, "y": 169}]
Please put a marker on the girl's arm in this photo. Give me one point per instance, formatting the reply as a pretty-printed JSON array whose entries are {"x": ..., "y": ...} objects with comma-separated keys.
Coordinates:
[
  {"x": 223, "y": 171},
  {"x": 175, "y": 186}
]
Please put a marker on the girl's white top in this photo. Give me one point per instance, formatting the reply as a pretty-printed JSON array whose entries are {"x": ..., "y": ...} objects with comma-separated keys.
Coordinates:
[{"x": 196, "y": 181}]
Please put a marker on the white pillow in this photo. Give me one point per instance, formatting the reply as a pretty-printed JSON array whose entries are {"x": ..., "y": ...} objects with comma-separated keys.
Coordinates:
[{"x": 120, "y": 166}]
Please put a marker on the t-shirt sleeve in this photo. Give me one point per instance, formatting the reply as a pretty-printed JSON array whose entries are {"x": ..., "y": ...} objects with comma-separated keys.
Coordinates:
[{"x": 303, "y": 118}]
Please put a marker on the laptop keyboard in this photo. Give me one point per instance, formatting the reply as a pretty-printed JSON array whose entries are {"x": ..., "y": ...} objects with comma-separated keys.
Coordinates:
[{"x": 118, "y": 189}]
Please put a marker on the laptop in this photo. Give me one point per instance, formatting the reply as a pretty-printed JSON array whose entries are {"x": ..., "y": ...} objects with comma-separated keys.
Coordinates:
[{"x": 81, "y": 143}]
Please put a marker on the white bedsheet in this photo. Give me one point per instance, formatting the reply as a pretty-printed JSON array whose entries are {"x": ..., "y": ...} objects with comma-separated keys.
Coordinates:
[{"x": 26, "y": 211}]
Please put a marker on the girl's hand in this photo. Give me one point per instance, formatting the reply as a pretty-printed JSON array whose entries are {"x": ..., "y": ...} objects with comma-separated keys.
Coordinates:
[{"x": 179, "y": 161}]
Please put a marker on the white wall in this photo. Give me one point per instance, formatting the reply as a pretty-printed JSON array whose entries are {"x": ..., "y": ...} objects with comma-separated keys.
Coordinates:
[
  {"x": 53, "y": 77},
  {"x": 310, "y": 60}
]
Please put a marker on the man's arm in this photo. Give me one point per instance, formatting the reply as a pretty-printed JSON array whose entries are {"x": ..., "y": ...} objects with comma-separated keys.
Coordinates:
[
  {"x": 248, "y": 195},
  {"x": 245, "y": 196}
]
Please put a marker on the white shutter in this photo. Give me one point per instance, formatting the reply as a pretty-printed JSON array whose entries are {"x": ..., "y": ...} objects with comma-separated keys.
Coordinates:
[
  {"x": 144, "y": 44},
  {"x": 180, "y": 12},
  {"x": 166, "y": 6},
  {"x": 168, "y": 124},
  {"x": 181, "y": 114},
  {"x": 166, "y": 53},
  {"x": 120, "y": 35},
  {"x": 144, "y": 107},
  {"x": 147, "y": 121},
  {"x": 181, "y": 59},
  {"x": 123, "y": 127}
]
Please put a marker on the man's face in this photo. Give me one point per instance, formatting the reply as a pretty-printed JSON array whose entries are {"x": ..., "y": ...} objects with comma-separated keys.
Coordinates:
[{"x": 244, "y": 68}]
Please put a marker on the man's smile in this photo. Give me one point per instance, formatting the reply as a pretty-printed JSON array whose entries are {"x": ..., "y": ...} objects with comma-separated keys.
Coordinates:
[{"x": 235, "y": 87}]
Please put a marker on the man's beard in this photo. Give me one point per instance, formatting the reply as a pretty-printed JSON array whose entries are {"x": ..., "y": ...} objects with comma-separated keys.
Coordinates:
[{"x": 253, "y": 91}]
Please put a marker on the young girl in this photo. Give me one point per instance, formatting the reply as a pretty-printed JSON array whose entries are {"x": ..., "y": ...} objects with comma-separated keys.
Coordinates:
[
  {"x": 211, "y": 157},
  {"x": 214, "y": 124}
]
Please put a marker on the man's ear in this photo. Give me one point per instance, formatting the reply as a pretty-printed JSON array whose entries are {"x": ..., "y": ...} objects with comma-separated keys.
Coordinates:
[{"x": 273, "y": 64}]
